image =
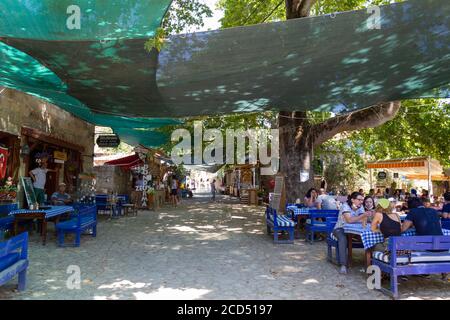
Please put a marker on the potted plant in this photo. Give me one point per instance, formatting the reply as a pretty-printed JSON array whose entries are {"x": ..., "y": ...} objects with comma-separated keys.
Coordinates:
[
  {"x": 150, "y": 195},
  {"x": 8, "y": 191}
]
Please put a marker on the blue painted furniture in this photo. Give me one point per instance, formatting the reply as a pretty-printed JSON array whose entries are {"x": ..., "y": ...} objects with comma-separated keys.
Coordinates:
[
  {"x": 418, "y": 261},
  {"x": 313, "y": 224},
  {"x": 86, "y": 218},
  {"x": 14, "y": 260},
  {"x": 445, "y": 224},
  {"x": 101, "y": 201},
  {"x": 6, "y": 223},
  {"x": 278, "y": 223},
  {"x": 332, "y": 242}
]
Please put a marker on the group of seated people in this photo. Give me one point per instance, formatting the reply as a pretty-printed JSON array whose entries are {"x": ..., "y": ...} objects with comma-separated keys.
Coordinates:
[{"x": 383, "y": 217}]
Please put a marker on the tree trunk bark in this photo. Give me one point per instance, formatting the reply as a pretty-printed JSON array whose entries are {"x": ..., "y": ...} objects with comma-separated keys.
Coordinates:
[{"x": 296, "y": 153}]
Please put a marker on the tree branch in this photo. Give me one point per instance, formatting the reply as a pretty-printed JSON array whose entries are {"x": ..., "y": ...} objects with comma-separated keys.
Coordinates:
[
  {"x": 298, "y": 8},
  {"x": 363, "y": 119}
]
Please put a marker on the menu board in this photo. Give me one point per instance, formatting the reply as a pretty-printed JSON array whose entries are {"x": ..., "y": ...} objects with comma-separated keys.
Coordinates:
[
  {"x": 28, "y": 188},
  {"x": 278, "y": 190}
]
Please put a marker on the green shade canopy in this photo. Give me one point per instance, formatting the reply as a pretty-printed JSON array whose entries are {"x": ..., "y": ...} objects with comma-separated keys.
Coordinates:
[{"x": 103, "y": 74}]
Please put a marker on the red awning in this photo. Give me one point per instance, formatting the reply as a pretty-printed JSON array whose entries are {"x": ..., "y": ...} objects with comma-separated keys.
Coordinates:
[{"x": 126, "y": 162}]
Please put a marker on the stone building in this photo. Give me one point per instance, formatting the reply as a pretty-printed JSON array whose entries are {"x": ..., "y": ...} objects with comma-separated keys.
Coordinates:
[{"x": 31, "y": 128}]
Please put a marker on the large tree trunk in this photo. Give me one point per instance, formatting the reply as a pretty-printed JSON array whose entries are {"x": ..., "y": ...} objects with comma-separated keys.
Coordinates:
[{"x": 296, "y": 152}]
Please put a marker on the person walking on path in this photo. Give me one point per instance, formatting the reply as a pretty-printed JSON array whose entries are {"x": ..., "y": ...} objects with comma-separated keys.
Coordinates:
[
  {"x": 213, "y": 190},
  {"x": 174, "y": 191}
]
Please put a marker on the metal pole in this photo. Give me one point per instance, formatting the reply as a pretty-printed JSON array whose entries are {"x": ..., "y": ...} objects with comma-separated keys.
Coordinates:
[
  {"x": 430, "y": 183},
  {"x": 370, "y": 178}
]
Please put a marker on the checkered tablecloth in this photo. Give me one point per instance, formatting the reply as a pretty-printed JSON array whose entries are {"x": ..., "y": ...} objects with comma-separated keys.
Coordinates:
[
  {"x": 370, "y": 238},
  {"x": 297, "y": 211},
  {"x": 49, "y": 213}
]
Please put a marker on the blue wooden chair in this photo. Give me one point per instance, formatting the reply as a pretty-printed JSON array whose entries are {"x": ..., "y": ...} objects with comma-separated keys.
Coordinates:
[
  {"x": 332, "y": 242},
  {"x": 313, "y": 224},
  {"x": 277, "y": 223},
  {"x": 14, "y": 260}
]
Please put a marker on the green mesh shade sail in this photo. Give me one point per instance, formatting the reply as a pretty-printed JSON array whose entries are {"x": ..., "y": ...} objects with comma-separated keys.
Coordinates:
[
  {"x": 326, "y": 63},
  {"x": 334, "y": 63},
  {"x": 54, "y": 20},
  {"x": 114, "y": 20}
]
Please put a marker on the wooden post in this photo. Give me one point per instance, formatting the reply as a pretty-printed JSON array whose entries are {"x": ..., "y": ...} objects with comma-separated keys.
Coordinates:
[{"x": 430, "y": 182}]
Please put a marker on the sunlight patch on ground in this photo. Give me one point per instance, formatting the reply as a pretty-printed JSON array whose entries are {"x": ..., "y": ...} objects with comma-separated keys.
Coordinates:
[
  {"x": 308, "y": 281},
  {"x": 124, "y": 284},
  {"x": 233, "y": 229},
  {"x": 172, "y": 294},
  {"x": 183, "y": 229},
  {"x": 206, "y": 227},
  {"x": 212, "y": 236}
]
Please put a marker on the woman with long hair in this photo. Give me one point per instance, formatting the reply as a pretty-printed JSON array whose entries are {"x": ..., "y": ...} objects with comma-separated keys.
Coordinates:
[{"x": 351, "y": 211}]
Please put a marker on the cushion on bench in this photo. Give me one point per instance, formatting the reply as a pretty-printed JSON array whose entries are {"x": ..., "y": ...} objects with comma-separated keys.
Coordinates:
[
  {"x": 283, "y": 221},
  {"x": 9, "y": 260},
  {"x": 416, "y": 257}
]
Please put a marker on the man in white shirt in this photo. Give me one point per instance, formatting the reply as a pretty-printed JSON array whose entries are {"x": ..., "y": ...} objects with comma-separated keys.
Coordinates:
[
  {"x": 39, "y": 176},
  {"x": 325, "y": 201}
]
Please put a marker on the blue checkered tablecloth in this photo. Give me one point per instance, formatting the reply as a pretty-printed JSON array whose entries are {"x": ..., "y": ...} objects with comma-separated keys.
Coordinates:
[
  {"x": 370, "y": 238},
  {"x": 297, "y": 211},
  {"x": 49, "y": 213}
]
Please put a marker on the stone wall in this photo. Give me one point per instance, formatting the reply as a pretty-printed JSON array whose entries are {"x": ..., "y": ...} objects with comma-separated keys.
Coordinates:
[
  {"x": 18, "y": 109},
  {"x": 112, "y": 179}
]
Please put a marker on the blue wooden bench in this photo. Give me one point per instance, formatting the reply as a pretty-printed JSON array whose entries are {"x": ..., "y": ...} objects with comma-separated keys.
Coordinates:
[
  {"x": 276, "y": 223},
  {"x": 419, "y": 261},
  {"x": 313, "y": 224},
  {"x": 14, "y": 260},
  {"x": 86, "y": 218}
]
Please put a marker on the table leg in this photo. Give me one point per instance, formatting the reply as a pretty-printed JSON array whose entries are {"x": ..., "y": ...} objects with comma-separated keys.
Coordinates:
[
  {"x": 16, "y": 226},
  {"x": 349, "y": 249},
  {"x": 368, "y": 257},
  {"x": 44, "y": 231}
]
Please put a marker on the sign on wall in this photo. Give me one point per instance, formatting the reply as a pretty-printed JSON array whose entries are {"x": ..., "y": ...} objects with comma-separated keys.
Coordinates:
[
  {"x": 382, "y": 175},
  {"x": 108, "y": 141}
]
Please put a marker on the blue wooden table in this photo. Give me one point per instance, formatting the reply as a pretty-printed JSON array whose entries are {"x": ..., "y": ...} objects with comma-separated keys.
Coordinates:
[{"x": 53, "y": 213}]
